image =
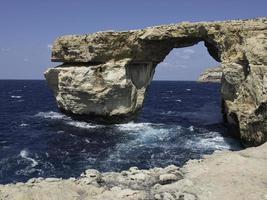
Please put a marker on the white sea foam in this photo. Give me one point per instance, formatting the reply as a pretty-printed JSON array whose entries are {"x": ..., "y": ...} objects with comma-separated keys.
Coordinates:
[
  {"x": 168, "y": 113},
  {"x": 178, "y": 100},
  {"x": 83, "y": 125},
  {"x": 133, "y": 126},
  {"x": 67, "y": 120},
  {"x": 217, "y": 143},
  {"x": 144, "y": 137},
  {"x": 16, "y": 97},
  {"x": 51, "y": 115},
  {"x": 146, "y": 133},
  {"x": 25, "y": 154},
  {"x": 60, "y": 131},
  {"x": 23, "y": 125},
  {"x": 188, "y": 89},
  {"x": 214, "y": 141},
  {"x": 191, "y": 128}
]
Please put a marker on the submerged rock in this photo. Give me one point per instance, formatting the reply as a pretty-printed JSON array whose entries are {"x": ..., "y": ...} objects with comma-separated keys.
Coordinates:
[
  {"x": 213, "y": 75},
  {"x": 223, "y": 175},
  {"x": 104, "y": 76}
]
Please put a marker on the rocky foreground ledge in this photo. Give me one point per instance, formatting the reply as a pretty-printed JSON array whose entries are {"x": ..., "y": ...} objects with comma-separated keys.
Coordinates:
[{"x": 221, "y": 176}]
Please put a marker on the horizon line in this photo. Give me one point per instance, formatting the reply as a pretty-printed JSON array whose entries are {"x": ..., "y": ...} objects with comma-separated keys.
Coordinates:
[{"x": 12, "y": 79}]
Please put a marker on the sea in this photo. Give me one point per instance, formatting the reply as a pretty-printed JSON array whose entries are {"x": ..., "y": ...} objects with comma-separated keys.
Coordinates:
[{"x": 181, "y": 120}]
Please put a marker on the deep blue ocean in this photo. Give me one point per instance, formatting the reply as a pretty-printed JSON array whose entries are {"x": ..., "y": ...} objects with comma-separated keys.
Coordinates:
[{"x": 180, "y": 121}]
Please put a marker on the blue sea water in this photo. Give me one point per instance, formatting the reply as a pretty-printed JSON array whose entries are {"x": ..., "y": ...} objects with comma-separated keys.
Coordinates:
[{"x": 180, "y": 121}]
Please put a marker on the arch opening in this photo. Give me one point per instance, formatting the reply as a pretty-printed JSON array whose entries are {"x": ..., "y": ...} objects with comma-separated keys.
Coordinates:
[
  {"x": 176, "y": 80},
  {"x": 189, "y": 112},
  {"x": 187, "y": 63}
]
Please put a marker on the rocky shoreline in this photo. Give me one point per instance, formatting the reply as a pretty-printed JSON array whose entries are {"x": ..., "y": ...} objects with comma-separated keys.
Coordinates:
[{"x": 223, "y": 175}]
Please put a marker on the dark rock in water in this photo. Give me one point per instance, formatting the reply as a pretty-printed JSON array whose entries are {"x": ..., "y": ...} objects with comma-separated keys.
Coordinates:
[
  {"x": 107, "y": 73},
  {"x": 213, "y": 75}
]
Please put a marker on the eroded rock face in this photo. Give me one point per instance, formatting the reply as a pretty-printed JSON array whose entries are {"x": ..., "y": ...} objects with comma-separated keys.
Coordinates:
[
  {"x": 212, "y": 75},
  {"x": 109, "y": 92},
  {"x": 105, "y": 75}
]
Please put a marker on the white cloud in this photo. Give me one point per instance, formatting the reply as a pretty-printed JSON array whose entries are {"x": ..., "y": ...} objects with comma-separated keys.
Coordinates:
[
  {"x": 185, "y": 57},
  {"x": 26, "y": 59},
  {"x": 176, "y": 53},
  {"x": 179, "y": 58},
  {"x": 49, "y": 46},
  {"x": 183, "y": 54},
  {"x": 165, "y": 64},
  {"x": 189, "y": 51},
  {"x": 183, "y": 66},
  {"x": 5, "y": 49},
  {"x": 173, "y": 64}
]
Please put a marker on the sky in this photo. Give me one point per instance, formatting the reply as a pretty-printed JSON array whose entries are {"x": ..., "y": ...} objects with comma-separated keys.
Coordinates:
[{"x": 29, "y": 27}]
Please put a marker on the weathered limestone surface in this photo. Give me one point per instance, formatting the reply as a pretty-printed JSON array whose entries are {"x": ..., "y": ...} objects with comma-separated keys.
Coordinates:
[
  {"x": 224, "y": 175},
  {"x": 213, "y": 75},
  {"x": 105, "y": 75}
]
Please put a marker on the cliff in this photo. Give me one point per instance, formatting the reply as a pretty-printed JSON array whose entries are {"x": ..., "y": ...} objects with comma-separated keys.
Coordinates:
[
  {"x": 213, "y": 75},
  {"x": 104, "y": 76}
]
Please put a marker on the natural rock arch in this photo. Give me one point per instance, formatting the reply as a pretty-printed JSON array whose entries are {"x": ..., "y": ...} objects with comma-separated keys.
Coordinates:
[{"x": 105, "y": 75}]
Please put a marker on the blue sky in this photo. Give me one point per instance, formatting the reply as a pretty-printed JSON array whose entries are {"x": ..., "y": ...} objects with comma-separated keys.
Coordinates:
[{"x": 29, "y": 27}]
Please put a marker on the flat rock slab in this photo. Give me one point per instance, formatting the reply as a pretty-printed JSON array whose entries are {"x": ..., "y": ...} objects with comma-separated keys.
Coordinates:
[{"x": 230, "y": 175}]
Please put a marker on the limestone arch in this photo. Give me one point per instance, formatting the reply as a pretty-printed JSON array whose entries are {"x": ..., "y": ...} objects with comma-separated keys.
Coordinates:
[{"x": 114, "y": 92}]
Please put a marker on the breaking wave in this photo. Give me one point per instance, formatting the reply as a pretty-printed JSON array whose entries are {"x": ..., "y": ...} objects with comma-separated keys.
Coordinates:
[
  {"x": 16, "y": 97},
  {"x": 131, "y": 126},
  {"x": 67, "y": 120},
  {"x": 25, "y": 154},
  {"x": 214, "y": 141},
  {"x": 23, "y": 125},
  {"x": 51, "y": 115}
]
